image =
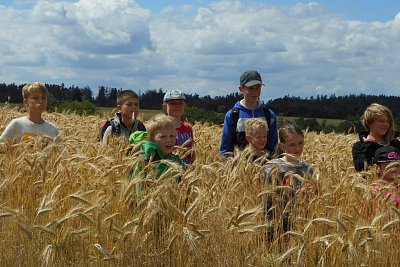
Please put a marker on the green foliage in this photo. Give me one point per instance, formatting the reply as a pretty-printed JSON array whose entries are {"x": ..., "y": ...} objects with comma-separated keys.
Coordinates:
[
  {"x": 52, "y": 103},
  {"x": 352, "y": 124},
  {"x": 310, "y": 124},
  {"x": 195, "y": 114},
  {"x": 81, "y": 108}
]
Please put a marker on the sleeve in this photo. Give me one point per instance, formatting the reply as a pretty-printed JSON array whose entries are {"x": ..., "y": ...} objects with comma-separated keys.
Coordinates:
[
  {"x": 226, "y": 141},
  {"x": 107, "y": 133},
  {"x": 358, "y": 156},
  {"x": 267, "y": 174},
  {"x": 11, "y": 132},
  {"x": 395, "y": 143},
  {"x": 272, "y": 134},
  {"x": 364, "y": 152}
]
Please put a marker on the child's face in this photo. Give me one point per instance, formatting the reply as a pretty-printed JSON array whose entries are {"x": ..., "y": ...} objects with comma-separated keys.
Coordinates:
[
  {"x": 165, "y": 138},
  {"x": 251, "y": 93},
  {"x": 259, "y": 139},
  {"x": 130, "y": 107},
  {"x": 36, "y": 101},
  {"x": 294, "y": 145},
  {"x": 175, "y": 108},
  {"x": 389, "y": 171},
  {"x": 380, "y": 126}
]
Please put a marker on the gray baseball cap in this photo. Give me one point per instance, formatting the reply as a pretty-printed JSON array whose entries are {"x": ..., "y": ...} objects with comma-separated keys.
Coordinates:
[
  {"x": 250, "y": 78},
  {"x": 174, "y": 94}
]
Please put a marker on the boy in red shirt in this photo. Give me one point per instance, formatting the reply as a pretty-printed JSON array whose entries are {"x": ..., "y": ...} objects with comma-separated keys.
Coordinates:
[{"x": 174, "y": 104}]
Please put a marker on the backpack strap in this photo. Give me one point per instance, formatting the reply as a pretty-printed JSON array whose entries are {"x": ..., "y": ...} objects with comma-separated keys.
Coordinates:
[
  {"x": 267, "y": 115},
  {"x": 235, "y": 119},
  {"x": 103, "y": 128},
  {"x": 115, "y": 127}
]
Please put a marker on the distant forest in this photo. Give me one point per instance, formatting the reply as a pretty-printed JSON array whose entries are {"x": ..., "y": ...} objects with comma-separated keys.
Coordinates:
[{"x": 320, "y": 106}]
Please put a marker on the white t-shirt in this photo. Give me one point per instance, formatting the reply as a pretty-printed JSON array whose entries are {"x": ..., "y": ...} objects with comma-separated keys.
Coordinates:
[{"x": 24, "y": 129}]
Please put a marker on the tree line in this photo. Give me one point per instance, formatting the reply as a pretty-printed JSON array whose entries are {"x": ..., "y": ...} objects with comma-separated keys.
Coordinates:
[{"x": 212, "y": 109}]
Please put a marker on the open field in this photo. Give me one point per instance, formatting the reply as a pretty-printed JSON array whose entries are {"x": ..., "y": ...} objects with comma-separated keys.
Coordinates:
[
  {"x": 148, "y": 113},
  {"x": 334, "y": 122},
  {"x": 73, "y": 204},
  {"x": 144, "y": 114}
]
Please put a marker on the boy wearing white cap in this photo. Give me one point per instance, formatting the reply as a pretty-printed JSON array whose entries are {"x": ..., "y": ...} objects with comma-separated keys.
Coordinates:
[{"x": 174, "y": 104}]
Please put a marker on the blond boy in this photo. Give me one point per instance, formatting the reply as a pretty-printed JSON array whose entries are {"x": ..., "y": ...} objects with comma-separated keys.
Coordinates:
[
  {"x": 125, "y": 121},
  {"x": 161, "y": 137},
  {"x": 27, "y": 128},
  {"x": 256, "y": 130}
]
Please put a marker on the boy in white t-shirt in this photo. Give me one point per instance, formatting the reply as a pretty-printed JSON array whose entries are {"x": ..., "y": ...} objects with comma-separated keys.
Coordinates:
[{"x": 27, "y": 128}]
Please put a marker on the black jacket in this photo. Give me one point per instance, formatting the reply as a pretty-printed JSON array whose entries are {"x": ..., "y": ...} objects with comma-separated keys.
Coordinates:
[{"x": 364, "y": 151}]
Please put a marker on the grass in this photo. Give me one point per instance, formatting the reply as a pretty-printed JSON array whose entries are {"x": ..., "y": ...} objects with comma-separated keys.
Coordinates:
[{"x": 334, "y": 122}]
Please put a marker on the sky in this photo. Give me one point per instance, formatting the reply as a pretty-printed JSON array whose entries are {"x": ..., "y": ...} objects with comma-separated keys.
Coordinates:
[{"x": 300, "y": 48}]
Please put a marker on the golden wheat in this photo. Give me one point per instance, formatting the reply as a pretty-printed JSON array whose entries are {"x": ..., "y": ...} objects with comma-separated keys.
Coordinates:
[{"x": 73, "y": 204}]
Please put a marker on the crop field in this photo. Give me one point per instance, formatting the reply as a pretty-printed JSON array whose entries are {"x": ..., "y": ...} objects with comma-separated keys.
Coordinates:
[{"x": 73, "y": 204}]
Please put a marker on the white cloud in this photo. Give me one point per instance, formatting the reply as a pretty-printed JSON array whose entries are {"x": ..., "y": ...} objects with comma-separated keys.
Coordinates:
[{"x": 300, "y": 50}]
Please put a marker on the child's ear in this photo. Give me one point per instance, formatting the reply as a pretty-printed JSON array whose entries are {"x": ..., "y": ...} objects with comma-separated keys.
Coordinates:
[
  {"x": 164, "y": 105},
  {"x": 119, "y": 107},
  {"x": 248, "y": 138}
]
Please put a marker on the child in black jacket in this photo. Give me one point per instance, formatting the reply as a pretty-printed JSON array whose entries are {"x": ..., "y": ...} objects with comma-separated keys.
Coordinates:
[{"x": 378, "y": 122}]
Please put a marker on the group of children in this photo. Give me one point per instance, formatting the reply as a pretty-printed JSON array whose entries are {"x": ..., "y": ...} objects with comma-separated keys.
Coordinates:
[
  {"x": 166, "y": 135},
  {"x": 249, "y": 124}
]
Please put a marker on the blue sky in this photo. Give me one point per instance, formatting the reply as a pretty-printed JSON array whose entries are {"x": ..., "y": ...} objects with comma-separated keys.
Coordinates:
[
  {"x": 301, "y": 48},
  {"x": 365, "y": 10}
]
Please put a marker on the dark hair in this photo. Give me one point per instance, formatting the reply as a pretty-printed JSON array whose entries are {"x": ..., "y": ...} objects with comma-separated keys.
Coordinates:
[
  {"x": 125, "y": 95},
  {"x": 284, "y": 132}
]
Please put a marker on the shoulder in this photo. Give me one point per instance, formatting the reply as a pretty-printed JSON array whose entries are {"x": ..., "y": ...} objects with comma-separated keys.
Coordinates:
[
  {"x": 20, "y": 120},
  {"x": 50, "y": 124},
  {"x": 304, "y": 164},
  {"x": 274, "y": 162},
  {"x": 358, "y": 146},
  {"x": 185, "y": 127}
]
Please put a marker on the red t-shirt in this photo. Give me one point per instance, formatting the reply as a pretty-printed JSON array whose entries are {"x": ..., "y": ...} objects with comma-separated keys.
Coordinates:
[{"x": 184, "y": 133}]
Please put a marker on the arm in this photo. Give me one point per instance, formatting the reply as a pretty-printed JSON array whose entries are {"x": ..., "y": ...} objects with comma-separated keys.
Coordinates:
[
  {"x": 226, "y": 141},
  {"x": 358, "y": 156},
  {"x": 107, "y": 133},
  {"x": 363, "y": 152},
  {"x": 11, "y": 132}
]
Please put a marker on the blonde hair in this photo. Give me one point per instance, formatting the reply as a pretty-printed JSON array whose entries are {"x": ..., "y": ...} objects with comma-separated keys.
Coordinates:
[
  {"x": 284, "y": 133},
  {"x": 159, "y": 121},
  {"x": 125, "y": 95},
  {"x": 29, "y": 87},
  {"x": 254, "y": 124},
  {"x": 372, "y": 113}
]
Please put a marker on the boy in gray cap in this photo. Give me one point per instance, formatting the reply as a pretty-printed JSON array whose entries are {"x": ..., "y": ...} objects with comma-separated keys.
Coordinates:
[{"x": 233, "y": 132}]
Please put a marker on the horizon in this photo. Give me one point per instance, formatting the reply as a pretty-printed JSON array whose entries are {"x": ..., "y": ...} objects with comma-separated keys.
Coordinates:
[
  {"x": 301, "y": 48},
  {"x": 141, "y": 92}
]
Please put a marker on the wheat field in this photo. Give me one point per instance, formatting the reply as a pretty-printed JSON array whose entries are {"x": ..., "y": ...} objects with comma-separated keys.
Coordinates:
[{"x": 73, "y": 204}]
